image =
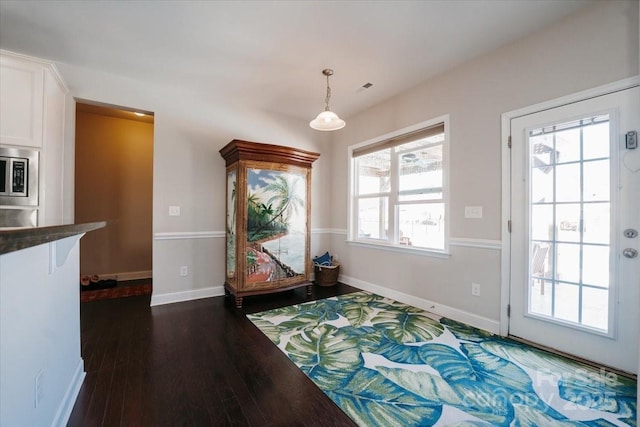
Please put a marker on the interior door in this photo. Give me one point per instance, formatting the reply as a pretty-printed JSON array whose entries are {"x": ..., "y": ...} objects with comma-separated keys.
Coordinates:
[{"x": 575, "y": 196}]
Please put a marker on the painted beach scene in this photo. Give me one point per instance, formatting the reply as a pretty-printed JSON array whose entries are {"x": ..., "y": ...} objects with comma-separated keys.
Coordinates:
[{"x": 276, "y": 225}]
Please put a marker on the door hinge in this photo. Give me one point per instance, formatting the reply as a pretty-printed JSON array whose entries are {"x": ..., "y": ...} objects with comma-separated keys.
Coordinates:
[
  {"x": 509, "y": 226},
  {"x": 509, "y": 142},
  {"x": 632, "y": 140},
  {"x": 508, "y": 310}
]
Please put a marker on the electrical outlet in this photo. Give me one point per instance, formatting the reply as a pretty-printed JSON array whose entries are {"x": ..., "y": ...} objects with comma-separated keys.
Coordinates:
[
  {"x": 184, "y": 270},
  {"x": 475, "y": 289},
  {"x": 174, "y": 210},
  {"x": 38, "y": 388}
]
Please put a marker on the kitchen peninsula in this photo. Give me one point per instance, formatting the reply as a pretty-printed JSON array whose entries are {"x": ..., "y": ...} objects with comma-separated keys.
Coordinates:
[
  {"x": 22, "y": 238},
  {"x": 41, "y": 368}
]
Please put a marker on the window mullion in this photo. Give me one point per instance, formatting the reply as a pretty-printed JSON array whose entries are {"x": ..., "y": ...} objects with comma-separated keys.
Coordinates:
[{"x": 373, "y": 195}]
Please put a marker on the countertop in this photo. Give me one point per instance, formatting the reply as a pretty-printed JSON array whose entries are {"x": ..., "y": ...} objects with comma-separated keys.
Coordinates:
[{"x": 21, "y": 238}]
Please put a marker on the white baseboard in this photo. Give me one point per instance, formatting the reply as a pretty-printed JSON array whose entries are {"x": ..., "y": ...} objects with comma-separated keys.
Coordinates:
[
  {"x": 170, "y": 298},
  {"x": 66, "y": 406},
  {"x": 480, "y": 322}
]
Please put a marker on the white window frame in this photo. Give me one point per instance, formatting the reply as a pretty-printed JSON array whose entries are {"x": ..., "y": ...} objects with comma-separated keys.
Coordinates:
[{"x": 352, "y": 222}]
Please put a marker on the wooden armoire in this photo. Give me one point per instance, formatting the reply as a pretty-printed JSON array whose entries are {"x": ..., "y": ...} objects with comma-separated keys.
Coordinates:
[{"x": 268, "y": 205}]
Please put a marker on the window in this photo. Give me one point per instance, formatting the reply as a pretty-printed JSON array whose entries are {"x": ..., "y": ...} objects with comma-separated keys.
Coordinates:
[
  {"x": 399, "y": 188},
  {"x": 570, "y": 215}
]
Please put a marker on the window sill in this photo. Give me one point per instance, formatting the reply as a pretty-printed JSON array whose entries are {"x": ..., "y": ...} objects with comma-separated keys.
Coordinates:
[{"x": 400, "y": 248}]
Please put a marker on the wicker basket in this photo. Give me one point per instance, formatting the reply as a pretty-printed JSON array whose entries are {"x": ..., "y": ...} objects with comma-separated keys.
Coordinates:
[{"x": 327, "y": 275}]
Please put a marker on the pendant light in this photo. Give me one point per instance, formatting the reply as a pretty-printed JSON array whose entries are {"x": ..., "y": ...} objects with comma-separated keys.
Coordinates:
[{"x": 327, "y": 120}]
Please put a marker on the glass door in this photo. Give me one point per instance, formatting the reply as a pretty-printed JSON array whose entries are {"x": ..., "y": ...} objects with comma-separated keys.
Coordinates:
[
  {"x": 570, "y": 233},
  {"x": 573, "y": 195}
]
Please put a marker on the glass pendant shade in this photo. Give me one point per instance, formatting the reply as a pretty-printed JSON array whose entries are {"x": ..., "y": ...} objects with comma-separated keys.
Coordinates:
[{"x": 327, "y": 120}]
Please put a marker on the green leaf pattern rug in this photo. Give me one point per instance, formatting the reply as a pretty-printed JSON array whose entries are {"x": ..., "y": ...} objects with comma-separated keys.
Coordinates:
[{"x": 385, "y": 363}]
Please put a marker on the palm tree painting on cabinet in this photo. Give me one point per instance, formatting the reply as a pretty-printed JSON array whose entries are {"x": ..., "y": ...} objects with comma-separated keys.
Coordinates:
[{"x": 276, "y": 225}]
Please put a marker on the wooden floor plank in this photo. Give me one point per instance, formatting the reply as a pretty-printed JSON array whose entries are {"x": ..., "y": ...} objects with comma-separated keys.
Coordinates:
[{"x": 194, "y": 363}]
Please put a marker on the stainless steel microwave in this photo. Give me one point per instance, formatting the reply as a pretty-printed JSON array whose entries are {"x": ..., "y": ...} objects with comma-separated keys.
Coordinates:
[{"x": 18, "y": 177}]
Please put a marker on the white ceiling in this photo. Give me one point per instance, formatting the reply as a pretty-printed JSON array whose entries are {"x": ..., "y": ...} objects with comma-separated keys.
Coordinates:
[{"x": 269, "y": 54}]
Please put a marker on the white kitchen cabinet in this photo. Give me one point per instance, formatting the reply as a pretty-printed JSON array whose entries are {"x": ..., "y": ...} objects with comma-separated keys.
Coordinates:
[
  {"x": 22, "y": 95},
  {"x": 32, "y": 115}
]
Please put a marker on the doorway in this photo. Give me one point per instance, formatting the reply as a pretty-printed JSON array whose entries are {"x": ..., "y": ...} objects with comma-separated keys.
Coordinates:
[
  {"x": 574, "y": 189},
  {"x": 114, "y": 182}
]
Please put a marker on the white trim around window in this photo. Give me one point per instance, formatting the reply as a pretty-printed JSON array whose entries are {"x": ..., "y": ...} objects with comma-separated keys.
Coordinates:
[{"x": 393, "y": 240}]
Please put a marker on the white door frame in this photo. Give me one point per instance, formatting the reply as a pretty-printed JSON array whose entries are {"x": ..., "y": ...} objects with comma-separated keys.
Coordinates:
[{"x": 505, "y": 267}]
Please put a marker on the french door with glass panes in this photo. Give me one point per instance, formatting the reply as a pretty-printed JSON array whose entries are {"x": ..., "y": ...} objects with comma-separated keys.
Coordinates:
[{"x": 575, "y": 189}]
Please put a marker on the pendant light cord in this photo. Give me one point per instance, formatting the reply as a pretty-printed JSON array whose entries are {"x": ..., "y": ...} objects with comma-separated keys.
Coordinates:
[{"x": 326, "y": 100}]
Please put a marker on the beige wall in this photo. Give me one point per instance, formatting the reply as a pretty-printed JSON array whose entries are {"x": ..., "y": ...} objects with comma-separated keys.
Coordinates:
[
  {"x": 189, "y": 129},
  {"x": 113, "y": 182},
  {"x": 595, "y": 47}
]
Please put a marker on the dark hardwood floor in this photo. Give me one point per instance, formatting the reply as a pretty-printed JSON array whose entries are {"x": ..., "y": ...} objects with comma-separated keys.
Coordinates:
[{"x": 196, "y": 363}]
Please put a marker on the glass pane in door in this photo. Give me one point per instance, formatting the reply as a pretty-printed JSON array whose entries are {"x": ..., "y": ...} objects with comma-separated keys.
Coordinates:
[{"x": 569, "y": 211}]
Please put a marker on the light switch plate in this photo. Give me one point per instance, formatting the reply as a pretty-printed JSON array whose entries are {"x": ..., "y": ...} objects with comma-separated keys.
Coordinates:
[
  {"x": 473, "y": 211},
  {"x": 174, "y": 210}
]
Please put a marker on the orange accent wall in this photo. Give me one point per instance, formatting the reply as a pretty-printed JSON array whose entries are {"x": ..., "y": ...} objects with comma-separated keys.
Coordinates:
[{"x": 114, "y": 182}]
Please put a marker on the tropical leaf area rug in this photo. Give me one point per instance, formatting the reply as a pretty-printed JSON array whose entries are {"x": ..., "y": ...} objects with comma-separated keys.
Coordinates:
[{"x": 385, "y": 363}]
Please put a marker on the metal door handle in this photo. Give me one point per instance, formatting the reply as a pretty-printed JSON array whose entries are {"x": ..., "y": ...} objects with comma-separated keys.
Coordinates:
[{"x": 630, "y": 252}]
